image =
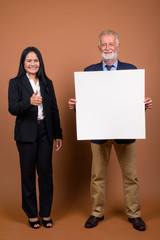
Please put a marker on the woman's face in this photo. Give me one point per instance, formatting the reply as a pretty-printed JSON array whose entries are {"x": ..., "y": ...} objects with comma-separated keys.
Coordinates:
[{"x": 31, "y": 63}]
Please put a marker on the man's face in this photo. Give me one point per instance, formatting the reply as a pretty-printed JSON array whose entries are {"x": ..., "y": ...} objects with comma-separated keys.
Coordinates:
[{"x": 108, "y": 47}]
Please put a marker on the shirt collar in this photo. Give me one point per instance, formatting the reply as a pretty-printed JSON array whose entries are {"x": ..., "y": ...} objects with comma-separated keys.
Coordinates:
[
  {"x": 115, "y": 64},
  {"x": 30, "y": 79}
]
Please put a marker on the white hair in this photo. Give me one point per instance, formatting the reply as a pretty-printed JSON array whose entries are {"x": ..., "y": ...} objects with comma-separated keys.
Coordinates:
[{"x": 108, "y": 32}]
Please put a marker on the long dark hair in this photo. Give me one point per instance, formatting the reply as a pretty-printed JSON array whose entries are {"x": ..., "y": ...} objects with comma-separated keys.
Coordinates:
[{"x": 41, "y": 72}]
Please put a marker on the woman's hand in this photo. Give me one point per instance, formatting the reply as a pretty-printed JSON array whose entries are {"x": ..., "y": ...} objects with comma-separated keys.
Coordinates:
[
  {"x": 36, "y": 100},
  {"x": 58, "y": 144}
]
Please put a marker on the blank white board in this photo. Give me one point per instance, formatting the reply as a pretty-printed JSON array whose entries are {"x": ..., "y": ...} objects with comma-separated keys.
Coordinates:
[{"x": 110, "y": 104}]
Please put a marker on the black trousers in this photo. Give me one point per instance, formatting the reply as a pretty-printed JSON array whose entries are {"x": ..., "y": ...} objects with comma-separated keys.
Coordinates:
[{"x": 37, "y": 156}]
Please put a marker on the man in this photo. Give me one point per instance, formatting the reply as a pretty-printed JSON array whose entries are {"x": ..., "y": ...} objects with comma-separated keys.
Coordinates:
[{"x": 125, "y": 149}]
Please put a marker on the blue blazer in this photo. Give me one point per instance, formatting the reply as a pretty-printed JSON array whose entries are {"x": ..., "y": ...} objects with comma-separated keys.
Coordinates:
[{"x": 121, "y": 66}]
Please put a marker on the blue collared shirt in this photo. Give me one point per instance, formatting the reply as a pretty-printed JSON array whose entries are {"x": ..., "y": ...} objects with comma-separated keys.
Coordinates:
[{"x": 113, "y": 68}]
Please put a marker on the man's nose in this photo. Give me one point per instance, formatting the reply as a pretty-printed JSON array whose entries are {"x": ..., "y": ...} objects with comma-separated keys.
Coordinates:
[{"x": 107, "y": 47}]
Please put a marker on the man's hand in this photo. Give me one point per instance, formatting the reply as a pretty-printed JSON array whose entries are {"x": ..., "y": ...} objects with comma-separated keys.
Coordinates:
[
  {"x": 36, "y": 100},
  {"x": 148, "y": 103},
  {"x": 58, "y": 144},
  {"x": 72, "y": 103}
]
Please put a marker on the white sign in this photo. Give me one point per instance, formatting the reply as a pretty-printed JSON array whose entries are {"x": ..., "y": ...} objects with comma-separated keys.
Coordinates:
[{"x": 110, "y": 104}]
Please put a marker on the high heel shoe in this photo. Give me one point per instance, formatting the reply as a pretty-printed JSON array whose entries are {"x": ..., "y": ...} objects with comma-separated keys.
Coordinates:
[
  {"x": 46, "y": 222},
  {"x": 33, "y": 224}
]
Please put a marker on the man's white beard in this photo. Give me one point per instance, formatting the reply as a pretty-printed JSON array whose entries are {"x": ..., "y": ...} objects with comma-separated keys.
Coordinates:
[{"x": 112, "y": 56}]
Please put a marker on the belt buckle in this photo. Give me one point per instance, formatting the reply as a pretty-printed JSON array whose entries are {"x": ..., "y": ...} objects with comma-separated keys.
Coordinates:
[{"x": 39, "y": 120}]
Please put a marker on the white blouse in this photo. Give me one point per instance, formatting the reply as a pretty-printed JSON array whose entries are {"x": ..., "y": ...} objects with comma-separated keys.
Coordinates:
[{"x": 35, "y": 88}]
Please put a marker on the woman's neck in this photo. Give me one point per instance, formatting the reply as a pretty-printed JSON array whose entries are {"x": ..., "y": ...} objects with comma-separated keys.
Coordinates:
[{"x": 33, "y": 76}]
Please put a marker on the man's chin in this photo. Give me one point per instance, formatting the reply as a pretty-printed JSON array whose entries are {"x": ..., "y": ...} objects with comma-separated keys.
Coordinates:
[{"x": 109, "y": 59}]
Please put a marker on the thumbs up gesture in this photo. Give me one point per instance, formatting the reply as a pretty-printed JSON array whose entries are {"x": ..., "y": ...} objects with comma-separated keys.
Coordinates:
[{"x": 35, "y": 100}]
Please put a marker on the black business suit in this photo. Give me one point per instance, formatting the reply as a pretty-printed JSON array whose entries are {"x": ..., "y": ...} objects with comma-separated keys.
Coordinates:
[{"x": 35, "y": 141}]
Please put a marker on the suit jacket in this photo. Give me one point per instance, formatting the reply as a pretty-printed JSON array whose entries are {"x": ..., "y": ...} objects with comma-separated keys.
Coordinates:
[
  {"x": 121, "y": 66},
  {"x": 19, "y": 94}
]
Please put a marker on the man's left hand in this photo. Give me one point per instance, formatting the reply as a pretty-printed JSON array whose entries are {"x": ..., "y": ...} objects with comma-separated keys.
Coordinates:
[{"x": 148, "y": 103}]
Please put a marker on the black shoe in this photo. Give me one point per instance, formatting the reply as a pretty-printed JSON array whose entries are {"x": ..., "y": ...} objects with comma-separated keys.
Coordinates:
[
  {"x": 46, "y": 222},
  {"x": 33, "y": 224},
  {"x": 138, "y": 223},
  {"x": 93, "y": 221}
]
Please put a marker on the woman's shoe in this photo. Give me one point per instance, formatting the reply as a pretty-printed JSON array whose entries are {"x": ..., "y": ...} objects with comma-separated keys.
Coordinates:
[
  {"x": 35, "y": 224},
  {"x": 47, "y": 223}
]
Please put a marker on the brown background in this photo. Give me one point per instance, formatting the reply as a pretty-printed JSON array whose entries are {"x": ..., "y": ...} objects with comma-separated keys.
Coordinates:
[{"x": 66, "y": 33}]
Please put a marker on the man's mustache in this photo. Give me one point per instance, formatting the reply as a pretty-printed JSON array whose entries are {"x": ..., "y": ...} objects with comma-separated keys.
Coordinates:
[{"x": 109, "y": 51}]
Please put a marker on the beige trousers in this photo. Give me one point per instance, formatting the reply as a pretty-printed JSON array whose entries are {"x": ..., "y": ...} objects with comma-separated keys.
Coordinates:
[{"x": 126, "y": 154}]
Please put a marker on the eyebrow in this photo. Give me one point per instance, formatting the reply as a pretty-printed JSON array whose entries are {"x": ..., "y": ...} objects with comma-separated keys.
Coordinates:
[
  {"x": 31, "y": 59},
  {"x": 106, "y": 43}
]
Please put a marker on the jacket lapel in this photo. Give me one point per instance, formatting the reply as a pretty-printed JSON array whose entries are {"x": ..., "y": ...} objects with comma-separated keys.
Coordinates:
[
  {"x": 99, "y": 67},
  {"x": 119, "y": 66},
  {"x": 25, "y": 82},
  {"x": 41, "y": 88}
]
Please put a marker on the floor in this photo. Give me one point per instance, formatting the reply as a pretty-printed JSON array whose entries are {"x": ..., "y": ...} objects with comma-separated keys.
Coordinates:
[{"x": 69, "y": 224}]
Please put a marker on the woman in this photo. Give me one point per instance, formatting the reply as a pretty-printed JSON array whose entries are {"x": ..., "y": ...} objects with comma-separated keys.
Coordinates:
[{"x": 32, "y": 100}]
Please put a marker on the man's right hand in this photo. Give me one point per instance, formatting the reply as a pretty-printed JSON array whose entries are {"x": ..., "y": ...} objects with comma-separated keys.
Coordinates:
[
  {"x": 36, "y": 100},
  {"x": 72, "y": 103}
]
